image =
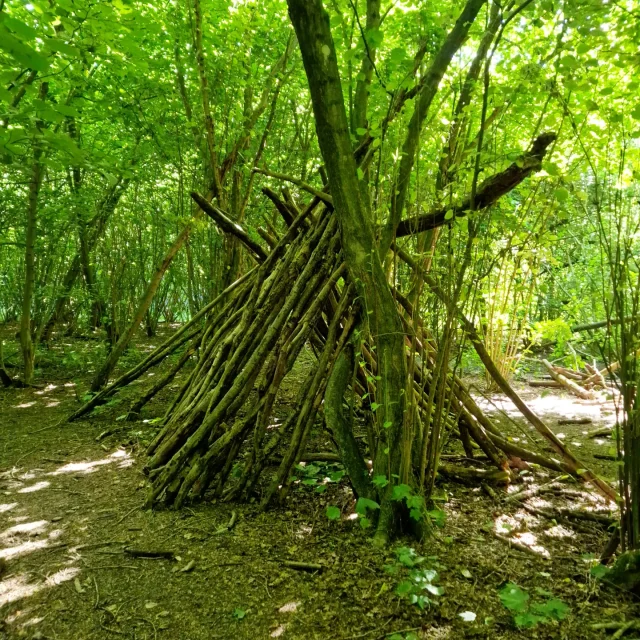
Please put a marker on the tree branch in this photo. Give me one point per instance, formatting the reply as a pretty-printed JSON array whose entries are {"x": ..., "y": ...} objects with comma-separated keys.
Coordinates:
[
  {"x": 229, "y": 226},
  {"x": 489, "y": 191}
]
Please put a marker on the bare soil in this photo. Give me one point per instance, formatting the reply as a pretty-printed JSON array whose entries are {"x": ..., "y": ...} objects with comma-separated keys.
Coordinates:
[{"x": 70, "y": 508}]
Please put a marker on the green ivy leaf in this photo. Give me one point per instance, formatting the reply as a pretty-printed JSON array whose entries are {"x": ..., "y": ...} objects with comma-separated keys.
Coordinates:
[
  {"x": 364, "y": 503},
  {"x": 400, "y": 492},
  {"x": 333, "y": 513},
  {"x": 513, "y": 597}
]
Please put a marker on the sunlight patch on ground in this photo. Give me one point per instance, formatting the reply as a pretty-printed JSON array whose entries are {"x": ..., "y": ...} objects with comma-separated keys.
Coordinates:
[
  {"x": 530, "y": 540},
  {"x": 18, "y": 587},
  {"x": 30, "y": 528},
  {"x": 24, "y": 405},
  {"x": 290, "y": 607},
  {"x": 7, "y": 507},
  {"x": 22, "y": 549},
  {"x": 88, "y": 467},
  {"x": 558, "y": 531},
  {"x": 549, "y": 405},
  {"x": 35, "y": 487},
  {"x": 278, "y": 631}
]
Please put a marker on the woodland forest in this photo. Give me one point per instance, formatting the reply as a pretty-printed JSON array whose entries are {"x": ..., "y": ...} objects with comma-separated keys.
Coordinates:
[{"x": 319, "y": 319}]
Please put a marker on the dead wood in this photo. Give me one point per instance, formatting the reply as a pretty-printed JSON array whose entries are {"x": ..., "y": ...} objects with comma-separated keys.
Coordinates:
[
  {"x": 302, "y": 566},
  {"x": 574, "y": 388},
  {"x": 488, "y": 192}
]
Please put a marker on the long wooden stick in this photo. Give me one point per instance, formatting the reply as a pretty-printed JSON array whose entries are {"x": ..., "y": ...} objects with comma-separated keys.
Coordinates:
[{"x": 572, "y": 462}]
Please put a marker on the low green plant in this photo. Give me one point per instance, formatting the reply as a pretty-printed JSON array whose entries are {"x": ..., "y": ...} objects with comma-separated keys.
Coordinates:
[
  {"x": 418, "y": 584},
  {"x": 529, "y": 613}
]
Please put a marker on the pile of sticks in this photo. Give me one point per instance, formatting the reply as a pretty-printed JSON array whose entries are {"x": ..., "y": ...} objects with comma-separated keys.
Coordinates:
[
  {"x": 582, "y": 384},
  {"x": 247, "y": 340}
]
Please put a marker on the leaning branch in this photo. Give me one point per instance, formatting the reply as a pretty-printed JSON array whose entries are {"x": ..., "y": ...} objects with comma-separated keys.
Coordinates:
[
  {"x": 489, "y": 191},
  {"x": 229, "y": 226},
  {"x": 469, "y": 328},
  {"x": 325, "y": 197}
]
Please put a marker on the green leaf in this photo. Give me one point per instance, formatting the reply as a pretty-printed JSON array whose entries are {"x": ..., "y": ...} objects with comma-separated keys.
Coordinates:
[
  {"x": 561, "y": 194},
  {"x": 360, "y": 131},
  {"x": 53, "y": 44},
  {"x": 365, "y": 523},
  {"x": 380, "y": 481},
  {"x": 400, "y": 492},
  {"x": 24, "y": 55},
  {"x": 374, "y": 406},
  {"x": 364, "y": 503},
  {"x": 18, "y": 27},
  {"x": 635, "y": 113},
  {"x": 553, "y": 608},
  {"x": 513, "y": 597},
  {"x": 333, "y": 513},
  {"x": 448, "y": 215},
  {"x": 387, "y": 424},
  {"x": 527, "y": 620},
  {"x": 438, "y": 517},
  {"x": 404, "y": 588},
  {"x": 599, "y": 571},
  {"x": 238, "y": 613}
]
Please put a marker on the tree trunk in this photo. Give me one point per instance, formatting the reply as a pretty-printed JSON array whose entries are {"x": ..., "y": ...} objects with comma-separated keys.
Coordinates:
[
  {"x": 102, "y": 376},
  {"x": 26, "y": 340},
  {"x": 311, "y": 24}
]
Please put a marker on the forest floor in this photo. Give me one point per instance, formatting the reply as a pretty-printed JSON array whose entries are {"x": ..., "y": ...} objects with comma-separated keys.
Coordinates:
[{"x": 70, "y": 501}]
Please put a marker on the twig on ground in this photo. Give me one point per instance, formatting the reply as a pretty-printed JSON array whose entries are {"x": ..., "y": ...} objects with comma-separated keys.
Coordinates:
[
  {"x": 228, "y": 526},
  {"x": 152, "y": 554},
  {"x": 126, "y": 515},
  {"x": 302, "y": 566}
]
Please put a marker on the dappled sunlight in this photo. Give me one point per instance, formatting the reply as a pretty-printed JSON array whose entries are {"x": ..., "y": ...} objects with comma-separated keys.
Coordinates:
[
  {"x": 30, "y": 528},
  {"x": 549, "y": 405},
  {"x": 23, "y": 549},
  {"x": 88, "y": 467},
  {"x": 24, "y": 405},
  {"x": 558, "y": 531},
  {"x": 7, "y": 507},
  {"x": 17, "y": 587},
  {"x": 30, "y": 546},
  {"x": 35, "y": 487},
  {"x": 530, "y": 540}
]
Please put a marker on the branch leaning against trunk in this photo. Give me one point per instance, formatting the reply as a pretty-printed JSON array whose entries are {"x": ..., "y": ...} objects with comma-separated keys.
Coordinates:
[
  {"x": 311, "y": 23},
  {"x": 325, "y": 197},
  {"x": 229, "y": 226},
  {"x": 488, "y": 192},
  {"x": 571, "y": 461}
]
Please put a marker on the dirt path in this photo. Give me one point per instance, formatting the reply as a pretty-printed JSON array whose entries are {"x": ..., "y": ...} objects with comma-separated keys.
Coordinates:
[{"x": 69, "y": 506}]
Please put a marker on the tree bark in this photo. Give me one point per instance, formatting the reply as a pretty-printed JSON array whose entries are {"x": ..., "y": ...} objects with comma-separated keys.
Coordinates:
[
  {"x": 102, "y": 376},
  {"x": 311, "y": 24},
  {"x": 37, "y": 170}
]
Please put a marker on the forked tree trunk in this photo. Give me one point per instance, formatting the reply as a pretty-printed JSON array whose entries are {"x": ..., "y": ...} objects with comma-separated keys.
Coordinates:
[{"x": 311, "y": 24}]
